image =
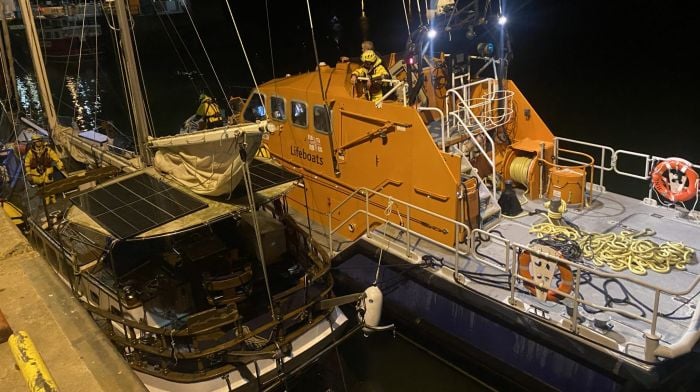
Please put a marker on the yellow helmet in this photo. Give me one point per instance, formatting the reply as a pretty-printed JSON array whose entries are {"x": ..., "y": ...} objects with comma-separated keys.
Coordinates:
[
  {"x": 37, "y": 142},
  {"x": 368, "y": 56},
  {"x": 203, "y": 97}
]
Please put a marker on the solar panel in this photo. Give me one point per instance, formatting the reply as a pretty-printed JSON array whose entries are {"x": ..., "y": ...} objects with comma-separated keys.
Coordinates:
[
  {"x": 264, "y": 175},
  {"x": 136, "y": 205}
]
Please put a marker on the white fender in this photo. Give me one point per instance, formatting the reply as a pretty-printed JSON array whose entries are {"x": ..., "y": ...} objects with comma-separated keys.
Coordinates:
[{"x": 371, "y": 307}]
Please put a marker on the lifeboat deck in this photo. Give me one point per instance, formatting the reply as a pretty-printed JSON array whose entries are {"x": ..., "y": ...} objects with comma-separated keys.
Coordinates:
[{"x": 616, "y": 308}]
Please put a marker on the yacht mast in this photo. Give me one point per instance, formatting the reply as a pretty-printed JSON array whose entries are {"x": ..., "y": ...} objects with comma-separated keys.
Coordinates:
[
  {"x": 8, "y": 59},
  {"x": 38, "y": 62},
  {"x": 138, "y": 107}
]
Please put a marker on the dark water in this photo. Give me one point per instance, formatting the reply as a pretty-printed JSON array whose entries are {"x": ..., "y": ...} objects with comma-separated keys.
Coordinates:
[
  {"x": 384, "y": 363},
  {"x": 587, "y": 74}
]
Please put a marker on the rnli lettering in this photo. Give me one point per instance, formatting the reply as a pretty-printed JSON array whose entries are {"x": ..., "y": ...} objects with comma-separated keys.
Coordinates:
[{"x": 301, "y": 153}]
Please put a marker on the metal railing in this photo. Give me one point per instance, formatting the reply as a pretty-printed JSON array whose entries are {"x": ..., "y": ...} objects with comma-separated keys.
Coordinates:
[
  {"x": 649, "y": 161},
  {"x": 510, "y": 265},
  {"x": 475, "y": 116},
  {"x": 442, "y": 122},
  {"x": 490, "y": 159},
  {"x": 395, "y": 85},
  {"x": 513, "y": 249},
  {"x": 370, "y": 217}
]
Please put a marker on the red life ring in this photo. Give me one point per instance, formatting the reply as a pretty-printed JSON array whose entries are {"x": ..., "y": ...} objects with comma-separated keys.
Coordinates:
[
  {"x": 565, "y": 285},
  {"x": 660, "y": 179}
]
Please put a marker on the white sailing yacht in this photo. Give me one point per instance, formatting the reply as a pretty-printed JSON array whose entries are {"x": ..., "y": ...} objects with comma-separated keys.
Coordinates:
[{"x": 200, "y": 283}]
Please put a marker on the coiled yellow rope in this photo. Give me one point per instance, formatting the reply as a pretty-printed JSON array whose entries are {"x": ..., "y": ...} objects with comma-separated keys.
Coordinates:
[
  {"x": 559, "y": 213},
  {"x": 623, "y": 251},
  {"x": 519, "y": 168}
]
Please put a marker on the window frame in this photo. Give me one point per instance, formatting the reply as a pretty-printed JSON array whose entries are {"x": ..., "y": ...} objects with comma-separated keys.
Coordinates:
[
  {"x": 330, "y": 118},
  {"x": 306, "y": 113},
  {"x": 284, "y": 108},
  {"x": 247, "y": 104}
]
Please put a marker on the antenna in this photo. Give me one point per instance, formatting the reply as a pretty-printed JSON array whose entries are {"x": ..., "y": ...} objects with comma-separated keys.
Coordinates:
[{"x": 364, "y": 23}]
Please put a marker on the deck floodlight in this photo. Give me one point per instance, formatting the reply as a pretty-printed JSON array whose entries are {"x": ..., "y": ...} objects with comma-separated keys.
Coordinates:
[
  {"x": 502, "y": 20},
  {"x": 432, "y": 33}
]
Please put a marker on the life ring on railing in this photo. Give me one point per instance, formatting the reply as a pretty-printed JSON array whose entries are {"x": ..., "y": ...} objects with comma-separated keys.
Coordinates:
[
  {"x": 565, "y": 285},
  {"x": 673, "y": 188}
]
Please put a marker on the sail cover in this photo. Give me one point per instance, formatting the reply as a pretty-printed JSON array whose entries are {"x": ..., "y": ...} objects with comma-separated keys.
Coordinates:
[{"x": 207, "y": 162}]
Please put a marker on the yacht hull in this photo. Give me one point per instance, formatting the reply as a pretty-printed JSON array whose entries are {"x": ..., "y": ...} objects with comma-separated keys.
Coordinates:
[{"x": 304, "y": 350}]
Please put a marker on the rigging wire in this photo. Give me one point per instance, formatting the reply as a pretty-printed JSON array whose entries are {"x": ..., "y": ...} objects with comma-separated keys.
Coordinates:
[
  {"x": 253, "y": 211},
  {"x": 246, "y": 174},
  {"x": 326, "y": 107},
  {"x": 122, "y": 67},
  {"x": 405, "y": 12},
  {"x": 149, "y": 118},
  {"x": 7, "y": 78},
  {"x": 318, "y": 68},
  {"x": 65, "y": 73},
  {"x": 206, "y": 53},
  {"x": 21, "y": 161},
  {"x": 177, "y": 52},
  {"x": 269, "y": 36},
  {"x": 97, "y": 62},
  {"x": 245, "y": 55},
  {"x": 420, "y": 21},
  {"x": 41, "y": 25},
  {"x": 452, "y": 14},
  {"x": 80, "y": 49}
]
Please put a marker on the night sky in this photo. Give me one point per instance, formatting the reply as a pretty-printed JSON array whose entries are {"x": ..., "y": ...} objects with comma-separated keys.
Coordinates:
[
  {"x": 613, "y": 72},
  {"x": 617, "y": 73}
]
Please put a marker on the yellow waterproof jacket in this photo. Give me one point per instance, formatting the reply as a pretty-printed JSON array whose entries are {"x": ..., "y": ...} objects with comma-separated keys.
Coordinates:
[
  {"x": 376, "y": 73},
  {"x": 209, "y": 110},
  {"x": 39, "y": 166}
]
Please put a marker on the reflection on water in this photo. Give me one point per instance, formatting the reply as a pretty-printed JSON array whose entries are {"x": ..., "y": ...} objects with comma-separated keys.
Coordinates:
[
  {"x": 29, "y": 99},
  {"x": 79, "y": 100},
  {"x": 85, "y": 101}
]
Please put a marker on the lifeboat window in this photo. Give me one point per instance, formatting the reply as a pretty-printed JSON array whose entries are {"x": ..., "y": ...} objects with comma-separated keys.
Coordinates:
[
  {"x": 277, "y": 108},
  {"x": 256, "y": 108},
  {"x": 321, "y": 118},
  {"x": 299, "y": 114}
]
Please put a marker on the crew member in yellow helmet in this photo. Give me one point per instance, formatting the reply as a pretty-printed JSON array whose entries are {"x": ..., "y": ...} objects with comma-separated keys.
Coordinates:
[
  {"x": 39, "y": 164},
  {"x": 373, "y": 69},
  {"x": 209, "y": 111}
]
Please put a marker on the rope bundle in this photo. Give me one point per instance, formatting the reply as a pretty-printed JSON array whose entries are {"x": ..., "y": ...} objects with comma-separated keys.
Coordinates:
[
  {"x": 624, "y": 250},
  {"x": 519, "y": 169}
]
